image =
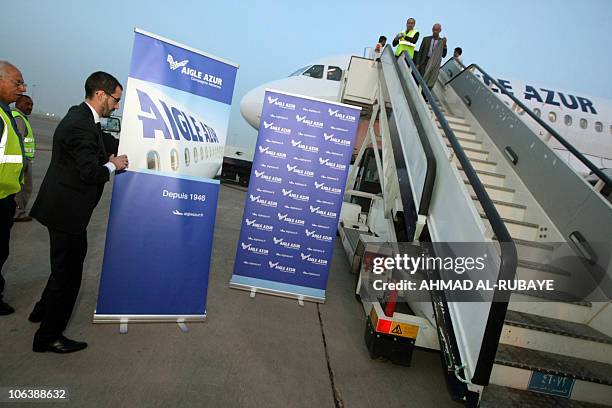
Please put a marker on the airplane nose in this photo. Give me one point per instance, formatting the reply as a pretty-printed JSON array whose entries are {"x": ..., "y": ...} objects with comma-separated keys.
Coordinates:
[{"x": 251, "y": 105}]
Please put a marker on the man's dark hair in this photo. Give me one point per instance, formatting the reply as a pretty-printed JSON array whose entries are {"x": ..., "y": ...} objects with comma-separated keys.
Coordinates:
[
  {"x": 382, "y": 38},
  {"x": 100, "y": 81},
  {"x": 459, "y": 50}
]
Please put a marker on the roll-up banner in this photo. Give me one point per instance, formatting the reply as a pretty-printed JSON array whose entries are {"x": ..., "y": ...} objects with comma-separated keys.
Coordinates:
[
  {"x": 296, "y": 186},
  {"x": 161, "y": 221}
]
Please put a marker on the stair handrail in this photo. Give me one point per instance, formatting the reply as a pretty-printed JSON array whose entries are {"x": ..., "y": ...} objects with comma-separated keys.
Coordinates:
[
  {"x": 430, "y": 173},
  {"x": 508, "y": 257},
  {"x": 488, "y": 78}
]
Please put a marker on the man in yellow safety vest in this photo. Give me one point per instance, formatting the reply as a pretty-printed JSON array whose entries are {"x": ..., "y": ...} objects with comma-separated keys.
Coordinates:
[
  {"x": 23, "y": 108},
  {"x": 11, "y": 162},
  {"x": 406, "y": 40}
]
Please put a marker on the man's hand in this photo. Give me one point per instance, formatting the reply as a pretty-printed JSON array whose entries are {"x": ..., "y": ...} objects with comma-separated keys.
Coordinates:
[{"x": 120, "y": 162}]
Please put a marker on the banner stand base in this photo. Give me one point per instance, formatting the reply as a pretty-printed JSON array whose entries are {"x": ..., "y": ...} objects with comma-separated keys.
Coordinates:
[
  {"x": 255, "y": 289},
  {"x": 124, "y": 320}
]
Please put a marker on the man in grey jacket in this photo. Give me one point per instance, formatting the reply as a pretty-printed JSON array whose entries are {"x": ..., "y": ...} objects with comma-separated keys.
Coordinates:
[{"x": 428, "y": 48}]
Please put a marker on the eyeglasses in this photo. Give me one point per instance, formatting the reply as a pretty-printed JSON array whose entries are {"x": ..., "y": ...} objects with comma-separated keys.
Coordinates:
[
  {"x": 116, "y": 99},
  {"x": 17, "y": 82}
]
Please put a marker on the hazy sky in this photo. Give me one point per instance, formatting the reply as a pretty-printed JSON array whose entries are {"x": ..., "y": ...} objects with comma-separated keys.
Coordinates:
[{"x": 57, "y": 44}]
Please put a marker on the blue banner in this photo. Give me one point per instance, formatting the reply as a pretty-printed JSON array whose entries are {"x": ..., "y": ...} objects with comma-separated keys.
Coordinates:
[
  {"x": 160, "y": 229},
  {"x": 295, "y": 194},
  {"x": 158, "y": 245}
]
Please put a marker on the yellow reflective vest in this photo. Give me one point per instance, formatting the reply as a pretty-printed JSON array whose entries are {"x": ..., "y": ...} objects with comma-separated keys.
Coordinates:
[
  {"x": 405, "y": 45},
  {"x": 11, "y": 158},
  {"x": 29, "y": 144}
]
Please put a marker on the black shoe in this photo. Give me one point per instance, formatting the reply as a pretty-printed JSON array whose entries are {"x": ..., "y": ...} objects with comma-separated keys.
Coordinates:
[
  {"x": 5, "y": 309},
  {"x": 37, "y": 314},
  {"x": 62, "y": 346}
]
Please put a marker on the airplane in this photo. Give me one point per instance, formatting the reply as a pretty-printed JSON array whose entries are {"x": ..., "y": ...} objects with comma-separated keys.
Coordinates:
[
  {"x": 196, "y": 147},
  {"x": 584, "y": 121}
]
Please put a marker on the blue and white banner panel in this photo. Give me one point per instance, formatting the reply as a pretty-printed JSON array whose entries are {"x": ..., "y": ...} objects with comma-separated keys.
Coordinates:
[
  {"x": 295, "y": 195},
  {"x": 160, "y": 230},
  {"x": 158, "y": 245},
  {"x": 177, "y": 107}
]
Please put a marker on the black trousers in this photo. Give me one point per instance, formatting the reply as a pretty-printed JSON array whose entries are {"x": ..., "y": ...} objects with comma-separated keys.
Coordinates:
[
  {"x": 7, "y": 212},
  {"x": 67, "y": 255}
]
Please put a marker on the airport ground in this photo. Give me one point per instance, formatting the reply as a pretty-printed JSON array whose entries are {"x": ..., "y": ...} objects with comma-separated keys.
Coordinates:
[{"x": 261, "y": 352}]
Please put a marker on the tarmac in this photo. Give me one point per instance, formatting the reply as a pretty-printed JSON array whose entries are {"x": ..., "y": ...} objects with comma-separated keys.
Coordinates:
[{"x": 262, "y": 352}]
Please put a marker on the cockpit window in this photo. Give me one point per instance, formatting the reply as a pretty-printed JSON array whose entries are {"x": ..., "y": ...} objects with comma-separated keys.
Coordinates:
[
  {"x": 299, "y": 71},
  {"x": 316, "y": 71},
  {"x": 334, "y": 73}
]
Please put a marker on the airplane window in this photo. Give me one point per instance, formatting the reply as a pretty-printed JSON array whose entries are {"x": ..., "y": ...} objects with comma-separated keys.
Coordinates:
[
  {"x": 567, "y": 120},
  {"x": 206, "y": 151},
  {"x": 316, "y": 71},
  {"x": 299, "y": 71},
  {"x": 186, "y": 157},
  {"x": 201, "y": 153},
  {"x": 195, "y": 154},
  {"x": 598, "y": 127},
  {"x": 583, "y": 123},
  {"x": 537, "y": 112},
  {"x": 174, "y": 159},
  {"x": 552, "y": 116},
  {"x": 334, "y": 73},
  {"x": 153, "y": 160}
]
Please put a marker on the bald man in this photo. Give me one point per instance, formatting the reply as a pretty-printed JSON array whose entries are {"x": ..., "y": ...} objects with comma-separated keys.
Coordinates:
[
  {"x": 23, "y": 108},
  {"x": 428, "y": 47},
  {"x": 11, "y": 163}
]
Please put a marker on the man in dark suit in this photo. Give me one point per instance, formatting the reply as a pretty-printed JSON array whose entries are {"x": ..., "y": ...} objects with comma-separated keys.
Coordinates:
[
  {"x": 71, "y": 189},
  {"x": 428, "y": 48}
]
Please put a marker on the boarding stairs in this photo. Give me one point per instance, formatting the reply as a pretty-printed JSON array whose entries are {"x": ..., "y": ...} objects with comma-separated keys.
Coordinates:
[
  {"x": 550, "y": 337},
  {"x": 550, "y": 349}
]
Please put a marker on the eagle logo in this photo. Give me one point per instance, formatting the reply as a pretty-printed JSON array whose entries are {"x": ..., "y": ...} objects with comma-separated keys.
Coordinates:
[{"x": 174, "y": 65}]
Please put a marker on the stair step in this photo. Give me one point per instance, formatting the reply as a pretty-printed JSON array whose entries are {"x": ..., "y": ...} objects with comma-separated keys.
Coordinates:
[
  {"x": 481, "y": 164},
  {"x": 529, "y": 269},
  {"x": 505, "y": 203},
  {"x": 460, "y": 128},
  {"x": 486, "y": 177},
  {"x": 543, "y": 267},
  {"x": 550, "y": 363},
  {"x": 516, "y": 222},
  {"x": 461, "y": 132},
  {"x": 554, "y": 297},
  {"x": 455, "y": 122},
  {"x": 532, "y": 250},
  {"x": 517, "y": 228},
  {"x": 495, "y": 192},
  {"x": 556, "y": 326},
  {"x": 472, "y": 152},
  {"x": 495, "y": 396},
  {"x": 534, "y": 244},
  {"x": 466, "y": 142},
  {"x": 488, "y": 173},
  {"x": 452, "y": 120},
  {"x": 504, "y": 208}
]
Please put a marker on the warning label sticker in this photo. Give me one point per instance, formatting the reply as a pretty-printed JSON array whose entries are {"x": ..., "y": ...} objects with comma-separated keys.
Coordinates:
[{"x": 393, "y": 327}]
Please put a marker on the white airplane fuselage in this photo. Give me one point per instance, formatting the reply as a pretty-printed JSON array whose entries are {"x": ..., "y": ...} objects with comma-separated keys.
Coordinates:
[{"x": 584, "y": 121}]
